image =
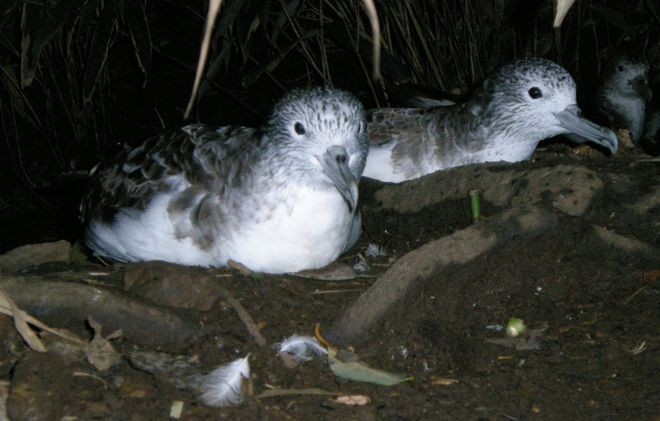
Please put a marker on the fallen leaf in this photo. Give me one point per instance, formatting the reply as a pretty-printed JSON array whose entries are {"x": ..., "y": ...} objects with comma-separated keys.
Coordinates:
[
  {"x": 21, "y": 320},
  {"x": 358, "y": 371},
  {"x": 100, "y": 352},
  {"x": 21, "y": 323}
]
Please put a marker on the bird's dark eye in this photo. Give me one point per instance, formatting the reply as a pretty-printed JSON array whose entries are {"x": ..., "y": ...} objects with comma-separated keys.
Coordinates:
[
  {"x": 621, "y": 68},
  {"x": 535, "y": 93},
  {"x": 299, "y": 128}
]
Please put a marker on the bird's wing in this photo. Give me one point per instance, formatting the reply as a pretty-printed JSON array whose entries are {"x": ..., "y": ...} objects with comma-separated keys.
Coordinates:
[
  {"x": 422, "y": 140},
  {"x": 204, "y": 156},
  {"x": 400, "y": 125}
]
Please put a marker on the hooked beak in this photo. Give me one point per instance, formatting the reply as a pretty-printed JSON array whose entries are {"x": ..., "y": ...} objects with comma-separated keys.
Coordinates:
[
  {"x": 335, "y": 165},
  {"x": 642, "y": 88},
  {"x": 571, "y": 120}
]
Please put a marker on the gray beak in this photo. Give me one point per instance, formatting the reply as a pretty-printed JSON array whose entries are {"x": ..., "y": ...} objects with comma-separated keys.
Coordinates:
[
  {"x": 335, "y": 165},
  {"x": 571, "y": 120}
]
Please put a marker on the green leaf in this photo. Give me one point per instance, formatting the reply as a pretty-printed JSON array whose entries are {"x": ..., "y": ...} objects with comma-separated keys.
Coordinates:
[{"x": 358, "y": 371}]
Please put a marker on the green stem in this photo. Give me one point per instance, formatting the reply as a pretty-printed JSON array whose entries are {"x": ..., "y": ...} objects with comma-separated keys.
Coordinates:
[{"x": 475, "y": 206}]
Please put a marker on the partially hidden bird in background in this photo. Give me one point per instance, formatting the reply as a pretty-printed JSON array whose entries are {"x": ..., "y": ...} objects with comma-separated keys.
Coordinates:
[{"x": 623, "y": 95}]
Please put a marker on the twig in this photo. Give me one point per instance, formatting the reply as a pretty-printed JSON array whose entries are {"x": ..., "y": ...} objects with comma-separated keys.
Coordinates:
[
  {"x": 78, "y": 373},
  {"x": 656, "y": 159},
  {"x": 285, "y": 392},
  {"x": 634, "y": 294},
  {"x": 245, "y": 317},
  {"x": 335, "y": 291}
]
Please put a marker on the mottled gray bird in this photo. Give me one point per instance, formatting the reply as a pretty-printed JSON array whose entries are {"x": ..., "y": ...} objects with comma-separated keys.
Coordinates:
[
  {"x": 282, "y": 198},
  {"x": 623, "y": 95},
  {"x": 523, "y": 103}
]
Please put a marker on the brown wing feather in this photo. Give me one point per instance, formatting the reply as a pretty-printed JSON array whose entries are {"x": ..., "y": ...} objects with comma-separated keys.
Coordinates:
[
  {"x": 388, "y": 124},
  {"x": 198, "y": 152}
]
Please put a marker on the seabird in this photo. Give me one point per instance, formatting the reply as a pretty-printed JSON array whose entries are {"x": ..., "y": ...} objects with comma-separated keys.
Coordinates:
[
  {"x": 623, "y": 95},
  {"x": 523, "y": 103},
  {"x": 281, "y": 198}
]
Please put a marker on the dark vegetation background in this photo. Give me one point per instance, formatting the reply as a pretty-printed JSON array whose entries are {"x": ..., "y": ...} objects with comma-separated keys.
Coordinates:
[{"x": 78, "y": 78}]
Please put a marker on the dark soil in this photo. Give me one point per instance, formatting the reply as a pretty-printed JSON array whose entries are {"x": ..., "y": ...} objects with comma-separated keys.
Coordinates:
[{"x": 593, "y": 309}]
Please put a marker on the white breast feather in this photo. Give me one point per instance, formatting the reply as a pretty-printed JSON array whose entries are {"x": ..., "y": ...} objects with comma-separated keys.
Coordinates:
[
  {"x": 308, "y": 229},
  {"x": 309, "y": 232}
]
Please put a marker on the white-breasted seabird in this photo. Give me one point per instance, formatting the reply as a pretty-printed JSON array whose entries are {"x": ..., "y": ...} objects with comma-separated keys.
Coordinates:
[
  {"x": 523, "y": 103},
  {"x": 623, "y": 95},
  {"x": 282, "y": 198}
]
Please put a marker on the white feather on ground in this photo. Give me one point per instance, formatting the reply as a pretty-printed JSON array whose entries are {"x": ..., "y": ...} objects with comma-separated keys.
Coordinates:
[
  {"x": 374, "y": 250},
  {"x": 223, "y": 386},
  {"x": 300, "y": 348}
]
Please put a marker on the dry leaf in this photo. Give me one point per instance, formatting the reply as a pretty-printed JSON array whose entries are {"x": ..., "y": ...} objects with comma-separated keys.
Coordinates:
[
  {"x": 7, "y": 306},
  {"x": 100, "y": 352},
  {"x": 561, "y": 9}
]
